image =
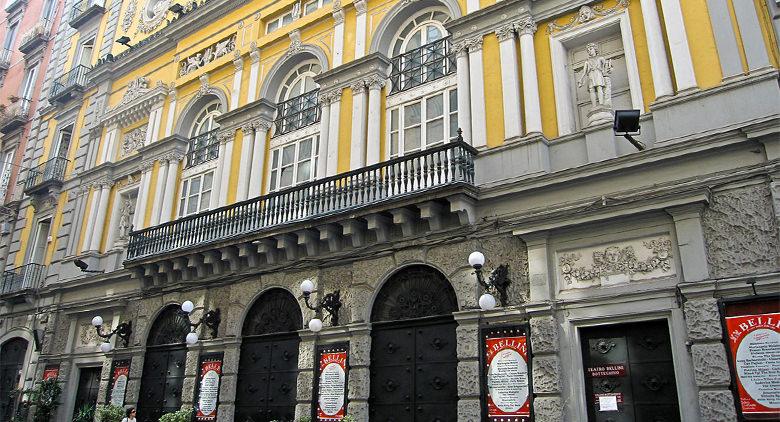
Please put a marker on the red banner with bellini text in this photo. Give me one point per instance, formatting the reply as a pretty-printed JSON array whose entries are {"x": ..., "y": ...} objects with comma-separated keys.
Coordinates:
[
  {"x": 332, "y": 384},
  {"x": 754, "y": 341},
  {"x": 507, "y": 379}
]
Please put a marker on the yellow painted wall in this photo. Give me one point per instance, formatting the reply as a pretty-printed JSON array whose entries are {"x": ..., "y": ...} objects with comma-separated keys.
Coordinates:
[
  {"x": 494, "y": 105},
  {"x": 769, "y": 34},
  {"x": 345, "y": 131},
  {"x": 86, "y": 221},
  {"x": 24, "y": 237},
  {"x": 545, "y": 80},
  {"x": 55, "y": 227},
  {"x": 701, "y": 42},
  {"x": 107, "y": 222},
  {"x": 235, "y": 166},
  {"x": 152, "y": 193},
  {"x": 642, "y": 54}
]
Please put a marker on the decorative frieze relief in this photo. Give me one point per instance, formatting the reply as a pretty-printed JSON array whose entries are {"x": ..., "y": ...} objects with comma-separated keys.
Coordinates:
[
  {"x": 616, "y": 263},
  {"x": 587, "y": 14},
  {"x": 133, "y": 140},
  {"x": 136, "y": 103},
  {"x": 203, "y": 57},
  {"x": 129, "y": 16},
  {"x": 152, "y": 15},
  {"x": 296, "y": 45}
]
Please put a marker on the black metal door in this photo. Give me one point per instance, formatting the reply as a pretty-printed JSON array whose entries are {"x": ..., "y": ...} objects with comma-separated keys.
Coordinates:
[
  {"x": 268, "y": 366},
  {"x": 11, "y": 362},
  {"x": 414, "y": 349},
  {"x": 164, "y": 361},
  {"x": 630, "y": 364},
  {"x": 87, "y": 391}
]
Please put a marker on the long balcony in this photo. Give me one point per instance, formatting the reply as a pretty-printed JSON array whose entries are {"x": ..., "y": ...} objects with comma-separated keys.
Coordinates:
[
  {"x": 429, "y": 175},
  {"x": 35, "y": 36},
  {"x": 21, "y": 281},
  {"x": 16, "y": 115},
  {"x": 84, "y": 10},
  {"x": 297, "y": 113},
  {"x": 203, "y": 148},
  {"x": 69, "y": 85},
  {"x": 44, "y": 176},
  {"x": 424, "y": 64}
]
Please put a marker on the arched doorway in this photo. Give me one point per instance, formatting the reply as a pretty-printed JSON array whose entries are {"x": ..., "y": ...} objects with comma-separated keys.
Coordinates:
[
  {"x": 413, "y": 348},
  {"x": 164, "y": 361},
  {"x": 268, "y": 366},
  {"x": 12, "y": 354}
]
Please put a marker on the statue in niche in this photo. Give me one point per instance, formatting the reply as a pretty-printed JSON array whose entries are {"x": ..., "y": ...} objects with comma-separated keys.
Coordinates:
[
  {"x": 597, "y": 70},
  {"x": 125, "y": 218}
]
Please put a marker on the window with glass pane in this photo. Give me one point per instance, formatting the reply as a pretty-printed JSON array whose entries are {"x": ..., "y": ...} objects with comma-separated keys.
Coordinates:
[
  {"x": 421, "y": 52},
  {"x": 293, "y": 163},
  {"x": 195, "y": 194},
  {"x": 426, "y": 122}
]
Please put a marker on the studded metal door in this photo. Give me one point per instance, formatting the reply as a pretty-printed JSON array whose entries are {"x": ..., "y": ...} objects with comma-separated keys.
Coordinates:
[
  {"x": 630, "y": 365},
  {"x": 164, "y": 362},
  {"x": 87, "y": 390},
  {"x": 268, "y": 366},
  {"x": 11, "y": 362},
  {"x": 414, "y": 349}
]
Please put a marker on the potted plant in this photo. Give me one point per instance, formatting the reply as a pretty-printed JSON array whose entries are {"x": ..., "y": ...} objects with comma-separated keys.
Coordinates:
[
  {"x": 45, "y": 398},
  {"x": 85, "y": 413},
  {"x": 177, "y": 416},
  {"x": 109, "y": 413}
]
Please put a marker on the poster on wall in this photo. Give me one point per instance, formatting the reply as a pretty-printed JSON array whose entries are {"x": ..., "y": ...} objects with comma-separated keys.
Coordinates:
[
  {"x": 120, "y": 372},
  {"x": 51, "y": 371},
  {"x": 209, "y": 378},
  {"x": 754, "y": 341},
  {"x": 332, "y": 384},
  {"x": 506, "y": 375}
]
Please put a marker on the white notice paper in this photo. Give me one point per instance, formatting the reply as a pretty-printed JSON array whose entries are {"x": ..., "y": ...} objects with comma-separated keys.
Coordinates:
[{"x": 608, "y": 403}]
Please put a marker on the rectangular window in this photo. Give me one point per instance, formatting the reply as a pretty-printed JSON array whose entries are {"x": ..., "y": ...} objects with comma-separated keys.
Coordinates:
[
  {"x": 10, "y": 36},
  {"x": 313, "y": 5},
  {"x": 5, "y": 173},
  {"x": 29, "y": 82},
  {"x": 424, "y": 123},
  {"x": 48, "y": 9},
  {"x": 279, "y": 22},
  {"x": 293, "y": 163},
  {"x": 195, "y": 194},
  {"x": 41, "y": 242},
  {"x": 63, "y": 143},
  {"x": 85, "y": 53}
]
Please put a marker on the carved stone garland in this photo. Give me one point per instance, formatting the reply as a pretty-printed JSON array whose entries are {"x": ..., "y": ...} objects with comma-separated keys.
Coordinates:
[
  {"x": 203, "y": 57},
  {"x": 617, "y": 260},
  {"x": 127, "y": 19},
  {"x": 133, "y": 140},
  {"x": 587, "y": 14}
]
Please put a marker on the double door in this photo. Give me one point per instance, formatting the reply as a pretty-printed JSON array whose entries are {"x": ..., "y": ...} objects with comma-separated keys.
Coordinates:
[
  {"x": 162, "y": 381},
  {"x": 87, "y": 391},
  {"x": 267, "y": 378},
  {"x": 414, "y": 367},
  {"x": 629, "y": 373}
]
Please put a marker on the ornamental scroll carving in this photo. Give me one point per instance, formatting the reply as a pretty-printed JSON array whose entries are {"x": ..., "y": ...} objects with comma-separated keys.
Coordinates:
[
  {"x": 137, "y": 88},
  {"x": 633, "y": 260},
  {"x": 133, "y": 140},
  {"x": 203, "y": 57},
  {"x": 587, "y": 14}
]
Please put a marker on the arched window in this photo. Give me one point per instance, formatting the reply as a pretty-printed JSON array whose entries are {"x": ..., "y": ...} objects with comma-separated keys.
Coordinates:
[
  {"x": 298, "y": 109},
  {"x": 204, "y": 121},
  {"x": 203, "y": 147},
  {"x": 426, "y": 115}
]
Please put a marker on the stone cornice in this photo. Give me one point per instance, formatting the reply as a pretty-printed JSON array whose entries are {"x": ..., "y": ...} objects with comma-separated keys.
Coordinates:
[
  {"x": 135, "y": 110},
  {"x": 164, "y": 148},
  {"x": 488, "y": 20},
  {"x": 358, "y": 71},
  {"x": 260, "y": 110}
]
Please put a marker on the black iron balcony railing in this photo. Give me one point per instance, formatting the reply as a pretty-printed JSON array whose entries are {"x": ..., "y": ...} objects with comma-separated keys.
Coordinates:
[
  {"x": 446, "y": 165},
  {"x": 52, "y": 171},
  {"x": 76, "y": 77},
  {"x": 297, "y": 113},
  {"x": 203, "y": 148},
  {"x": 26, "y": 277},
  {"x": 422, "y": 65},
  {"x": 84, "y": 9}
]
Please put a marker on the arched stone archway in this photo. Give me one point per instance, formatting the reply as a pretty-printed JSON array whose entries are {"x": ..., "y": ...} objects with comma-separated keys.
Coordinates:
[
  {"x": 12, "y": 354},
  {"x": 268, "y": 364},
  {"x": 164, "y": 362},
  {"x": 413, "y": 348}
]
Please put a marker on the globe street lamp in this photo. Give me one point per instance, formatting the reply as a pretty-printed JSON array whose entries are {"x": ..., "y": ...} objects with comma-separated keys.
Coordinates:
[
  {"x": 124, "y": 330},
  {"x": 497, "y": 282},
  {"x": 210, "y": 319},
  {"x": 331, "y": 303}
]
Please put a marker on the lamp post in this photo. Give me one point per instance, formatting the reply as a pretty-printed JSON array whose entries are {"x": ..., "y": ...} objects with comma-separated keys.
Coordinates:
[
  {"x": 497, "y": 282},
  {"x": 210, "y": 319},
  {"x": 331, "y": 303},
  {"x": 124, "y": 330}
]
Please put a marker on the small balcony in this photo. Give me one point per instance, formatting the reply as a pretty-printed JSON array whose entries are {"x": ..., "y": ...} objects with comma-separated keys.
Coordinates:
[
  {"x": 5, "y": 59},
  {"x": 35, "y": 36},
  {"x": 42, "y": 177},
  {"x": 424, "y": 64},
  {"x": 21, "y": 282},
  {"x": 16, "y": 115},
  {"x": 428, "y": 177},
  {"x": 11, "y": 5},
  {"x": 69, "y": 85},
  {"x": 297, "y": 113},
  {"x": 84, "y": 10},
  {"x": 202, "y": 148}
]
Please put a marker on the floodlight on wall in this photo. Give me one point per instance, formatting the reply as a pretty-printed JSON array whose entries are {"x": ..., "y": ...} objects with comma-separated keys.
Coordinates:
[
  {"x": 124, "y": 40},
  {"x": 627, "y": 125},
  {"x": 84, "y": 267},
  {"x": 176, "y": 8}
]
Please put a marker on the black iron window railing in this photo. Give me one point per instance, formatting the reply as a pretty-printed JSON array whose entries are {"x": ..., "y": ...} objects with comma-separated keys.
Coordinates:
[
  {"x": 298, "y": 112},
  {"x": 422, "y": 65},
  {"x": 26, "y": 277},
  {"x": 75, "y": 77},
  {"x": 446, "y": 165},
  {"x": 50, "y": 171},
  {"x": 203, "y": 148}
]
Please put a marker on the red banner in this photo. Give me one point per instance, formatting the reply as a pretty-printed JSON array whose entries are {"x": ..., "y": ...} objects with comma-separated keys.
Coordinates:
[
  {"x": 208, "y": 391},
  {"x": 507, "y": 378},
  {"x": 119, "y": 383},
  {"x": 331, "y": 395},
  {"x": 755, "y": 349},
  {"x": 51, "y": 371}
]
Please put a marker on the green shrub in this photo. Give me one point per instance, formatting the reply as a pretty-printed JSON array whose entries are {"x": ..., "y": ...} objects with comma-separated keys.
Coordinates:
[
  {"x": 178, "y": 416},
  {"x": 45, "y": 397},
  {"x": 110, "y": 413},
  {"x": 85, "y": 413}
]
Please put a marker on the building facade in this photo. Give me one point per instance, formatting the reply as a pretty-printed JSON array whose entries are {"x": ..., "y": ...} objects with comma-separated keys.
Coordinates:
[{"x": 222, "y": 152}]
